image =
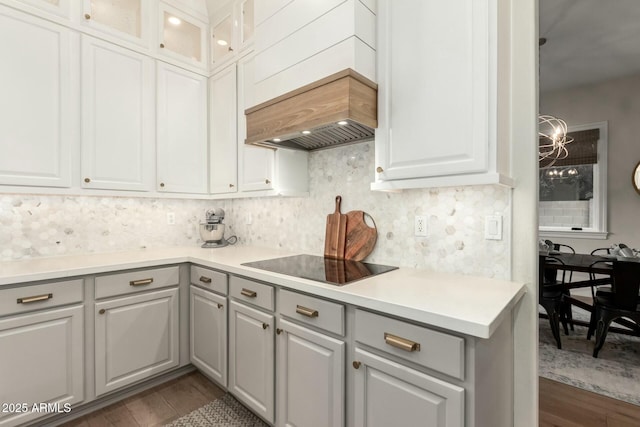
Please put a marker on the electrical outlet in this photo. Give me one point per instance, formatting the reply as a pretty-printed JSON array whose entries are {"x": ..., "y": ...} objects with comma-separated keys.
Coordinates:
[
  {"x": 171, "y": 218},
  {"x": 420, "y": 226},
  {"x": 493, "y": 227}
]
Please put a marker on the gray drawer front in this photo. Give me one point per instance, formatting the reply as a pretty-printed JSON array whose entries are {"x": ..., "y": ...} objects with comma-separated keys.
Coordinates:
[
  {"x": 209, "y": 279},
  {"x": 136, "y": 281},
  {"x": 438, "y": 351},
  {"x": 312, "y": 311},
  {"x": 251, "y": 292},
  {"x": 37, "y": 297}
]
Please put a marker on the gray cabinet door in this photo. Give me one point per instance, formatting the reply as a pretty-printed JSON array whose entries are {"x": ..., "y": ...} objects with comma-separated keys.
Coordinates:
[{"x": 208, "y": 343}]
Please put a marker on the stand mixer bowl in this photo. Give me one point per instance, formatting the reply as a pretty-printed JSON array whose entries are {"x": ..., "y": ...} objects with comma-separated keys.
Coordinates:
[{"x": 211, "y": 232}]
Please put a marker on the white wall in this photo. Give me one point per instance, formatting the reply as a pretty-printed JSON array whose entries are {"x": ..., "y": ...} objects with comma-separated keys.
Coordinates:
[{"x": 617, "y": 102}]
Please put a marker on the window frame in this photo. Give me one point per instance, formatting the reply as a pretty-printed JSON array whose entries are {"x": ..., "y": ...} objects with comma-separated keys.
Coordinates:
[{"x": 600, "y": 171}]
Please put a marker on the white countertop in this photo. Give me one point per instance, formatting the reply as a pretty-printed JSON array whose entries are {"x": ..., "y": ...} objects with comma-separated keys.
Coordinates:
[{"x": 465, "y": 304}]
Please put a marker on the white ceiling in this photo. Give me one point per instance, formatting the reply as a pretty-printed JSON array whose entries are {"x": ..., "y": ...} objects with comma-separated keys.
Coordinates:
[{"x": 588, "y": 41}]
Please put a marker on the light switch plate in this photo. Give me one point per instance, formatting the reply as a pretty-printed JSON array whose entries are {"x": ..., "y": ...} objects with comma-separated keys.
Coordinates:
[{"x": 493, "y": 227}]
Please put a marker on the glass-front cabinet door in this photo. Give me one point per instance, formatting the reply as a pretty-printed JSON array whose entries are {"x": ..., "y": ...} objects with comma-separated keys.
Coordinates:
[
  {"x": 246, "y": 22},
  {"x": 122, "y": 18},
  {"x": 223, "y": 42},
  {"x": 182, "y": 36}
]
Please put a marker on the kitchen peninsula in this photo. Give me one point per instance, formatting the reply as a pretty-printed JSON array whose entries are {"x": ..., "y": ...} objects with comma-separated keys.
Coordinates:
[{"x": 461, "y": 326}]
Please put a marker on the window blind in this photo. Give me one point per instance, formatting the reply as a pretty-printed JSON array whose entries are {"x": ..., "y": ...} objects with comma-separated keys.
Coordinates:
[{"x": 582, "y": 151}]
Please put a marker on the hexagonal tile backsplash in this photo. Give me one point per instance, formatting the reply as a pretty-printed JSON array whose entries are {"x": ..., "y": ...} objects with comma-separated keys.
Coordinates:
[{"x": 40, "y": 225}]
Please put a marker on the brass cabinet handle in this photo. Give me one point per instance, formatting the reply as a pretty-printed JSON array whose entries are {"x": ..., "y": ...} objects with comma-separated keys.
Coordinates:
[
  {"x": 279, "y": 331},
  {"x": 87, "y": 180},
  {"x": 87, "y": 16},
  {"x": 231, "y": 185},
  {"x": 102, "y": 311},
  {"x": 379, "y": 169},
  {"x": 220, "y": 305},
  {"x": 162, "y": 184},
  {"x": 266, "y": 181},
  {"x": 249, "y": 293},
  {"x": 141, "y": 282},
  {"x": 162, "y": 45},
  {"x": 356, "y": 364},
  {"x": 265, "y": 326},
  {"x": 35, "y": 298},
  {"x": 230, "y": 49},
  {"x": 205, "y": 279},
  {"x": 401, "y": 343},
  {"x": 309, "y": 312}
]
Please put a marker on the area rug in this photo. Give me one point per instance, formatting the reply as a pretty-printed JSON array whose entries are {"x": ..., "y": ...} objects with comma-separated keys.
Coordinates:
[
  {"x": 225, "y": 411},
  {"x": 615, "y": 373}
]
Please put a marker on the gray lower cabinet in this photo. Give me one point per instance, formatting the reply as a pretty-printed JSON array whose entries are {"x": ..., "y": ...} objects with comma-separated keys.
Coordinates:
[
  {"x": 41, "y": 349},
  {"x": 208, "y": 333},
  {"x": 136, "y": 337},
  {"x": 390, "y": 394},
  {"x": 251, "y": 356},
  {"x": 311, "y": 381}
]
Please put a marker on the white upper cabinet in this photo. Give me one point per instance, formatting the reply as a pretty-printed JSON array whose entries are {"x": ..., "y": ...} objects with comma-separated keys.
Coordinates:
[
  {"x": 223, "y": 147},
  {"x": 126, "y": 19},
  {"x": 232, "y": 29},
  {"x": 39, "y": 111},
  {"x": 181, "y": 130},
  {"x": 437, "y": 110},
  {"x": 118, "y": 126},
  {"x": 182, "y": 37}
]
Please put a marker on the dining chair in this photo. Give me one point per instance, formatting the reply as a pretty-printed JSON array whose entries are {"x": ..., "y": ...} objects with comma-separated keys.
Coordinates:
[
  {"x": 551, "y": 296},
  {"x": 561, "y": 247},
  {"x": 601, "y": 251},
  {"x": 621, "y": 301}
]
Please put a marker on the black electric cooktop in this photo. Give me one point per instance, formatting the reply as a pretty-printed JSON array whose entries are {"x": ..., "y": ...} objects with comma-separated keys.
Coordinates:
[{"x": 327, "y": 270}]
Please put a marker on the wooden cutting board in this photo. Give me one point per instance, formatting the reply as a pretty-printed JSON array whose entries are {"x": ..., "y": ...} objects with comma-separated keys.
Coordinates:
[
  {"x": 360, "y": 238},
  {"x": 335, "y": 237}
]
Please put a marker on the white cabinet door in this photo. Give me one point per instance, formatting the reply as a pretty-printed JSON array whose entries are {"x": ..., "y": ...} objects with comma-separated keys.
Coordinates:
[
  {"x": 256, "y": 164},
  {"x": 310, "y": 378},
  {"x": 251, "y": 358},
  {"x": 41, "y": 361},
  {"x": 136, "y": 337},
  {"x": 38, "y": 112},
  {"x": 118, "y": 128},
  {"x": 182, "y": 130},
  {"x": 223, "y": 147},
  {"x": 434, "y": 101},
  {"x": 208, "y": 330},
  {"x": 390, "y": 394}
]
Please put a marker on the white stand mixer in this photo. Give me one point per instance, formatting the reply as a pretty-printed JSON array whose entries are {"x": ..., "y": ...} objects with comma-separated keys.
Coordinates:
[{"x": 212, "y": 231}]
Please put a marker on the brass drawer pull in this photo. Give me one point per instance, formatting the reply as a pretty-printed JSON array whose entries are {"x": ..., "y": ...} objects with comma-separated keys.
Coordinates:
[
  {"x": 265, "y": 326},
  {"x": 36, "y": 298},
  {"x": 220, "y": 305},
  {"x": 205, "y": 279},
  {"x": 141, "y": 282},
  {"x": 379, "y": 169},
  {"x": 102, "y": 311},
  {"x": 401, "y": 343},
  {"x": 309, "y": 312},
  {"x": 249, "y": 293},
  {"x": 356, "y": 364},
  {"x": 279, "y": 331}
]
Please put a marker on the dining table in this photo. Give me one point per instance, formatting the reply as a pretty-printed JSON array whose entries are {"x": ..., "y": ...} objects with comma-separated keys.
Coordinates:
[{"x": 600, "y": 269}]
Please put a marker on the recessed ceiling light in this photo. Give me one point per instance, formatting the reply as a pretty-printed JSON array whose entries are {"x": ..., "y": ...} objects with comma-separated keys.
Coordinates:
[
  {"x": 306, "y": 132},
  {"x": 173, "y": 20},
  {"x": 343, "y": 122},
  {"x": 222, "y": 42},
  {"x": 276, "y": 140}
]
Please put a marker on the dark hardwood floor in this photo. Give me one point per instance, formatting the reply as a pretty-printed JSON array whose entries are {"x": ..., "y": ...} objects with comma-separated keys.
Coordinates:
[
  {"x": 157, "y": 406},
  {"x": 562, "y": 405}
]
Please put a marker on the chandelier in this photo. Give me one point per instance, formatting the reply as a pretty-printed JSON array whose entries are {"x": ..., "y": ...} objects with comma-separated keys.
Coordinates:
[{"x": 553, "y": 139}]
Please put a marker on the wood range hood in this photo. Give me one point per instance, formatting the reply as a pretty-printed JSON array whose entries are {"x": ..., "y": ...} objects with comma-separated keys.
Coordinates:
[{"x": 338, "y": 109}]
